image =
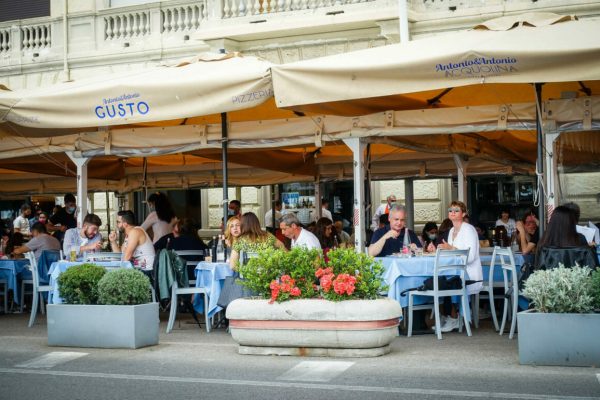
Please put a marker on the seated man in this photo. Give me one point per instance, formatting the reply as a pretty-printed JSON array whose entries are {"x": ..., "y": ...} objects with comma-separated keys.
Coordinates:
[
  {"x": 39, "y": 242},
  {"x": 390, "y": 239},
  {"x": 293, "y": 230},
  {"x": 84, "y": 239},
  {"x": 137, "y": 246}
]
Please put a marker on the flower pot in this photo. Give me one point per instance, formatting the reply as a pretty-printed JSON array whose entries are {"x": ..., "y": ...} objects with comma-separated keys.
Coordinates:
[
  {"x": 314, "y": 327},
  {"x": 105, "y": 326},
  {"x": 559, "y": 339}
]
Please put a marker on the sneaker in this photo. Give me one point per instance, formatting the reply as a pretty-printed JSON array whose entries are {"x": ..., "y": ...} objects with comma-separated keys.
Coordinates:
[
  {"x": 443, "y": 319},
  {"x": 450, "y": 324}
]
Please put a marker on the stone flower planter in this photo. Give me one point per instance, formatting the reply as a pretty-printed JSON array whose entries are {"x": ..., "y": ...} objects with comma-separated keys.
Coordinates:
[
  {"x": 76, "y": 325},
  {"x": 559, "y": 339},
  {"x": 314, "y": 327}
]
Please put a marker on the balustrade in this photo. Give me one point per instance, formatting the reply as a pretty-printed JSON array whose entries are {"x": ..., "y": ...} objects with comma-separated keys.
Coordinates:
[
  {"x": 127, "y": 26},
  {"x": 35, "y": 37},
  {"x": 183, "y": 18},
  {"x": 241, "y": 8},
  {"x": 4, "y": 40}
]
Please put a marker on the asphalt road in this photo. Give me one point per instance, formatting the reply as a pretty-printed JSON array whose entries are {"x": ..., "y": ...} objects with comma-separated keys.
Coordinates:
[{"x": 191, "y": 364}]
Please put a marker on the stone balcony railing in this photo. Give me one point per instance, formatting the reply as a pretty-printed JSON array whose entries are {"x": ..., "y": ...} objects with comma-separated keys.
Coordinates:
[{"x": 167, "y": 29}]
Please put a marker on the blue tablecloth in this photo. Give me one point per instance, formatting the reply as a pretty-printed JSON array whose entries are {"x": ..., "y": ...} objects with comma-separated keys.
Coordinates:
[
  {"x": 59, "y": 267},
  {"x": 10, "y": 270},
  {"x": 210, "y": 276}
]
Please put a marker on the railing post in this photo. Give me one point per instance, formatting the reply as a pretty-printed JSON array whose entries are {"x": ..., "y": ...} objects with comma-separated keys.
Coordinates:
[
  {"x": 215, "y": 9},
  {"x": 15, "y": 44}
]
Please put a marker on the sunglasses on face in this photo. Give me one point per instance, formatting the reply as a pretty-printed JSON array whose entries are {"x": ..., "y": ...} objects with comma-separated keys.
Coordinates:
[{"x": 454, "y": 209}]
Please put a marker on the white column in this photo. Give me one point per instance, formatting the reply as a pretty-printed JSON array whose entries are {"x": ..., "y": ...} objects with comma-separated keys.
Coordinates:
[
  {"x": 82, "y": 192},
  {"x": 461, "y": 167},
  {"x": 409, "y": 203},
  {"x": 358, "y": 155},
  {"x": 551, "y": 170},
  {"x": 403, "y": 21}
]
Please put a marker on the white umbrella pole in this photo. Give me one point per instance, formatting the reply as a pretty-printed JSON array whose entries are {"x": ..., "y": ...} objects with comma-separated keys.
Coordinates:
[
  {"x": 224, "y": 134},
  {"x": 358, "y": 154},
  {"x": 540, "y": 160},
  {"x": 82, "y": 177}
]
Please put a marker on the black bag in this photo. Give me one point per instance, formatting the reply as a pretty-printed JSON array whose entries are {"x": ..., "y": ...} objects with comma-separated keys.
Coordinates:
[
  {"x": 450, "y": 282},
  {"x": 232, "y": 289}
]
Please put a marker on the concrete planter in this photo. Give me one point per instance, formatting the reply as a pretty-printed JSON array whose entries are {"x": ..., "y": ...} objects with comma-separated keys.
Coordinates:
[
  {"x": 314, "y": 327},
  {"x": 559, "y": 339},
  {"x": 74, "y": 325}
]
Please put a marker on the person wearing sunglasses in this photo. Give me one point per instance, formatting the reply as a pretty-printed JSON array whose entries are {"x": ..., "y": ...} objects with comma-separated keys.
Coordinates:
[
  {"x": 462, "y": 236},
  {"x": 390, "y": 239}
]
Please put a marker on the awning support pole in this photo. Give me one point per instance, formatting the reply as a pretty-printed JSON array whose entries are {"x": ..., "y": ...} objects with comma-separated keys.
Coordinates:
[
  {"x": 224, "y": 135},
  {"x": 540, "y": 159},
  {"x": 409, "y": 202},
  {"x": 551, "y": 168},
  {"x": 358, "y": 155},
  {"x": 461, "y": 168},
  {"x": 82, "y": 185}
]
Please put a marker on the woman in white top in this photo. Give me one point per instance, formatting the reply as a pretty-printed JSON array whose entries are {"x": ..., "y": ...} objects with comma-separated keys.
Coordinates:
[
  {"x": 161, "y": 218},
  {"x": 463, "y": 236}
]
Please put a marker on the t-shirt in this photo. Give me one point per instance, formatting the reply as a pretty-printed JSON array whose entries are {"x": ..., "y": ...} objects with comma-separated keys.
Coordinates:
[
  {"x": 306, "y": 239},
  {"x": 393, "y": 245},
  {"x": 325, "y": 213},
  {"x": 42, "y": 242},
  {"x": 63, "y": 218},
  {"x": 22, "y": 224},
  {"x": 510, "y": 225},
  {"x": 244, "y": 244},
  {"x": 269, "y": 218}
]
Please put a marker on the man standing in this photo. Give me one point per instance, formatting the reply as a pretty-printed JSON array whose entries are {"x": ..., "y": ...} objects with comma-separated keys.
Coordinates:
[
  {"x": 292, "y": 229},
  {"x": 64, "y": 218},
  {"x": 325, "y": 213},
  {"x": 234, "y": 208},
  {"x": 86, "y": 238},
  {"x": 390, "y": 239},
  {"x": 137, "y": 246},
  {"x": 382, "y": 209},
  {"x": 39, "y": 242},
  {"x": 269, "y": 216},
  {"x": 21, "y": 223}
]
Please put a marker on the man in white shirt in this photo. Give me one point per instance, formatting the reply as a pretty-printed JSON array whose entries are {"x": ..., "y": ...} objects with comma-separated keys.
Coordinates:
[
  {"x": 292, "y": 229},
  {"x": 382, "y": 209},
  {"x": 269, "y": 216},
  {"x": 21, "y": 223},
  {"x": 325, "y": 213},
  {"x": 87, "y": 238}
]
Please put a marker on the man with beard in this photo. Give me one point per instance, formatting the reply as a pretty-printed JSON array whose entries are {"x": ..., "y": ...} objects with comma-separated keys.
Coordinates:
[
  {"x": 137, "y": 246},
  {"x": 85, "y": 239},
  {"x": 64, "y": 218}
]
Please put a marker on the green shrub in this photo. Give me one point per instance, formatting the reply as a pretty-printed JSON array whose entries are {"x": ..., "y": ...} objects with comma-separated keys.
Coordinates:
[
  {"x": 79, "y": 284},
  {"x": 561, "y": 290},
  {"x": 124, "y": 287},
  {"x": 595, "y": 289}
]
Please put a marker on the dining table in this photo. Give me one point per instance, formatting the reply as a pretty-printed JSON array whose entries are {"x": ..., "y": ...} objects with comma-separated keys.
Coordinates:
[
  {"x": 59, "y": 267},
  {"x": 210, "y": 276},
  {"x": 12, "y": 270}
]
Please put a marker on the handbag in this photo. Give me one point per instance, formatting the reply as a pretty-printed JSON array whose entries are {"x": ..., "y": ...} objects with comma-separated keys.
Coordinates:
[{"x": 233, "y": 289}]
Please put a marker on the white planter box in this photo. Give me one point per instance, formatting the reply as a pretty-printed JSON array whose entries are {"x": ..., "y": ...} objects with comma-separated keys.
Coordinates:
[
  {"x": 74, "y": 325},
  {"x": 559, "y": 339},
  {"x": 314, "y": 327}
]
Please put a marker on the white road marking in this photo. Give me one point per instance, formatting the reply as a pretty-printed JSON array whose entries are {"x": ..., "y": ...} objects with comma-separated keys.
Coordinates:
[
  {"x": 315, "y": 371},
  {"x": 51, "y": 359},
  {"x": 296, "y": 385}
]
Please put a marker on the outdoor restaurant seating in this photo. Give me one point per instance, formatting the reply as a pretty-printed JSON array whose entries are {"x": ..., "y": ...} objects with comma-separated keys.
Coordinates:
[
  {"x": 191, "y": 289},
  {"x": 46, "y": 259},
  {"x": 455, "y": 262},
  {"x": 38, "y": 289}
]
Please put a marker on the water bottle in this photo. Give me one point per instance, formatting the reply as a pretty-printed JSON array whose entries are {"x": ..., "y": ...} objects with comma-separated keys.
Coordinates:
[
  {"x": 514, "y": 242},
  {"x": 214, "y": 249},
  {"x": 220, "y": 251},
  {"x": 406, "y": 243},
  {"x": 335, "y": 242}
]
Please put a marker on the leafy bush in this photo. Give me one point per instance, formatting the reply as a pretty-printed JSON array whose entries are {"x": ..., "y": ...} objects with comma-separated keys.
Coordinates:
[
  {"x": 124, "y": 287},
  {"x": 279, "y": 275},
  {"x": 79, "y": 284},
  {"x": 595, "y": 289},
  {"x": 561, "y": 290}
]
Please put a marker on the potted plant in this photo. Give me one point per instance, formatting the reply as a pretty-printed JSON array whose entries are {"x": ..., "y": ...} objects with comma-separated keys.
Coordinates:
[
  {"x": 309, "y": 306},
  {"x": 562, "y": 328},
  {"x": 103, "y": 309}
]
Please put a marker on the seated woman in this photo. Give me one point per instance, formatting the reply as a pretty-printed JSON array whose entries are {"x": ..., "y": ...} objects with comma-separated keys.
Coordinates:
[
  {"x": 233, "y": 230},
  {"x": 161, "y": 218},
  {"x": 327, "y": 235},
  {"x": 251, "y": 239},
  {"x": 562, "y": 244},
  {"x": 429, "y": 234}
]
